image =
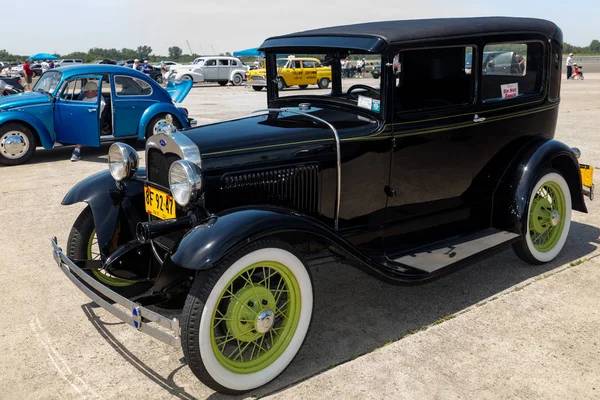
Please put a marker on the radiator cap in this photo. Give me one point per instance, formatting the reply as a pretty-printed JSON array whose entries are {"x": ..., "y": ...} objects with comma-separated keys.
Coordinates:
[{"x": 304, "y": 106}]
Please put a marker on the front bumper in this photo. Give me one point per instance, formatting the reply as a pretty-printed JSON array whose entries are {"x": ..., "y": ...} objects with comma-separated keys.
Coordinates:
[
  {"x": 192, "y": 122},
  {"x": 138, "y": 316},
  {"x": 256, "y": 82}
]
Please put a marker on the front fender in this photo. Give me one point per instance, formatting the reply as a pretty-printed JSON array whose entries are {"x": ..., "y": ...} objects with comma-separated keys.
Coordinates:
[
  {"x": 511, "y": 197},
  {"x": 107, "y": 202},
  {"x": 46, "y": 139},
  {"x": 160, "y": 108}
]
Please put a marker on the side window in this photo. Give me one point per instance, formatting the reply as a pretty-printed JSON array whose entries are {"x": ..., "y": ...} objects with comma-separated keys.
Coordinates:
[
  {"x": 129, "y": 86},
  {"x": 297, "y": 64},
  {"x": 309, "y": 64},
  {"x": 84, "y": 89},
  {"x": 234, "y": 63},
  {"x": 511, "y": 70},
  {"x": 210, "y": 63},
  {"x": 433, "y": 78},
  {"x": 224, "y": 63}
]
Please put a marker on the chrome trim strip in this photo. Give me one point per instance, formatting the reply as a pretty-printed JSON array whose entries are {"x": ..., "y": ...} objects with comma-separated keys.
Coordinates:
[
  {"x": 137, "y": 313},
  {"x": 336, "y": 211}
]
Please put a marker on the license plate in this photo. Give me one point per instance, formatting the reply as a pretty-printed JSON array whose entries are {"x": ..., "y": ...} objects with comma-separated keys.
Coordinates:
[{"x": 159, "y": 203}]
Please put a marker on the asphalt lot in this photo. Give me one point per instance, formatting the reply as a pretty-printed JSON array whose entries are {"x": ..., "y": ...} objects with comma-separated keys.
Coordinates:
[{"x": 497, "y": 329}]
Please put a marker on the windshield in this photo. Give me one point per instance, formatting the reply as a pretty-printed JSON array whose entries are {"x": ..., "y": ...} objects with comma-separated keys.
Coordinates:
[
  {"x": 48, "y": 82},
  {"x": 311, "y": 75}
]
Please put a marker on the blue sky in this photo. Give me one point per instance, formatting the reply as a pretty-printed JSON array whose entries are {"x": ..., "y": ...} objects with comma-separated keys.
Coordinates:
[{"x": 64, "y": 26}]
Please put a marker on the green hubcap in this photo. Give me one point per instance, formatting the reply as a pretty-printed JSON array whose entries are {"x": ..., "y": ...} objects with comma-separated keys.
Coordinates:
[
  {"x": 547, "y": 216},
  {"x": 256, "y": 317},
  {"x": 93, "y": 253}
]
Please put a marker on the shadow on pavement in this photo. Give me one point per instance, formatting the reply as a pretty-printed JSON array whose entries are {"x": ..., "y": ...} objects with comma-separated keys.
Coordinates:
[
  {"x": 88, "y": 154},
  {"x": 355, "y": 313}
]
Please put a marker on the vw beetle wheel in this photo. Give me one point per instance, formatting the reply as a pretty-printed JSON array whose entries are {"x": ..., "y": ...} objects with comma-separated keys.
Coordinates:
[
  {"x": 17, "y": 144},
  {"x": 548, "y": 220},
  {"x": 245, "y": 320}
]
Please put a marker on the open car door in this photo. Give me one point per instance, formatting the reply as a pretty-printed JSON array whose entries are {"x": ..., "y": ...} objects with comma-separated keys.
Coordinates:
[
  {"x": 78, "y": 109},
  {"x": 178, "y": 91}
]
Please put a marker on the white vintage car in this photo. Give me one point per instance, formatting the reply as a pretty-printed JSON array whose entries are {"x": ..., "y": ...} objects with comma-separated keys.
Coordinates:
[{"x": 221, "y": 69}]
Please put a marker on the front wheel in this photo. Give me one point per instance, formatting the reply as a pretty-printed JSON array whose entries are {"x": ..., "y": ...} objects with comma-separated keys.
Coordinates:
[
  {"x": 17, "y": 143},
  {"x": 245, "y": 320},
  {"x": 257, "y": 88},
  {"x": 187, "y": 78},
  {"x": 237, "y": 80},
  {"x": 280, "y": 83},
  {"x": 548, "y": 220}
]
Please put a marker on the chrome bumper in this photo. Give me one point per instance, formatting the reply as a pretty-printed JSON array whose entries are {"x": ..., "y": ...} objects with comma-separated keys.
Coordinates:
[
  {"x": 193, "y": 122},
  {"x": 256, "y": 83},
  {"x": 137, "y": 314}
]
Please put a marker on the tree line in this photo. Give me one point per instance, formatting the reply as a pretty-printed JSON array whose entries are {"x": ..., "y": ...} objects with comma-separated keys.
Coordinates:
[
  {"x": 593, "y": 48},
  {"x": 143, "y": 52}
]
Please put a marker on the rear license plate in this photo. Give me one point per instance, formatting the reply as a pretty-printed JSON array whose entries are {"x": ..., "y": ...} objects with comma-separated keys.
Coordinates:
[{"x": 159, "y": 203}]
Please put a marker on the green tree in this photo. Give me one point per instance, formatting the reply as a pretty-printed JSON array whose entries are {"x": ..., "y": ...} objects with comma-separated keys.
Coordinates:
[
  {"x": 175, "y": 52},
  {"x": 143, "y": 52},
  {"x": 595, "y": 46}
]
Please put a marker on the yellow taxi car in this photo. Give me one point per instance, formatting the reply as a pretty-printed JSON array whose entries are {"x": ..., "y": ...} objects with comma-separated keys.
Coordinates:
[{"x": 292, "y": 71}]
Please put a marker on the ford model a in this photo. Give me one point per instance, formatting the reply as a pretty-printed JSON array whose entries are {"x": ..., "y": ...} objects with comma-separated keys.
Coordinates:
[{"x": 410, "y": 175}]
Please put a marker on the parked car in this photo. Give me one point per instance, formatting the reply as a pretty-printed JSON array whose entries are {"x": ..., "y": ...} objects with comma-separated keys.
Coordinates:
[
  {"x": 15, "y": 83},
  {"x": 67, "y": 61},
  {"x": 106, "y": 61},
  {"x": 54, "y": 112},
  {"x": 221, "y": 69},
  {"x": 376, "y": 71},
  {"x": 410, "y": 178},
  {"x": 155, "y": 73},
  {"x": 292, "y": 71}
]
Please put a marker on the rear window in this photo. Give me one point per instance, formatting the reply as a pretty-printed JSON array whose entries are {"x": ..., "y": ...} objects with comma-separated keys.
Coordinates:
[{"x": 511, "y": 70}]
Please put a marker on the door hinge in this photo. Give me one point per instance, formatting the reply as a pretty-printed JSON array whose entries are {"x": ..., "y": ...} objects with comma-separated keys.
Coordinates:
[{"x": 389, "y": 191}]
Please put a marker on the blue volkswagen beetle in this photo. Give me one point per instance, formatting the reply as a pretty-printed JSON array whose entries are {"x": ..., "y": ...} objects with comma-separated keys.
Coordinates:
[{"x": 127, "y": 105}]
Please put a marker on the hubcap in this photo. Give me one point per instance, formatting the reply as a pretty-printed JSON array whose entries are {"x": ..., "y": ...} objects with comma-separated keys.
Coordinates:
[
  {"x": 255, "y": 317},
  {"x": 14, "y": 144},
  {"x": 546, "y": 216}
]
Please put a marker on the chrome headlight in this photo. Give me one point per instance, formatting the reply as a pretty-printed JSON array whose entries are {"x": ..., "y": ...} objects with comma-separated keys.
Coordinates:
[
  {"x": 122, "y": 161},
  {"x": 185, "y": 182}
]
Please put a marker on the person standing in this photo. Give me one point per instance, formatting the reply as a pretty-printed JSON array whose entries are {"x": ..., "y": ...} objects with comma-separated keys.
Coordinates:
[
  {"x": 569, "y": 65},
  {"x": 146, "y": 68},
  {"x": 136, "y": 64},
  {"x": 51, "y": 64},
  {"x": 28, "y": 75},
  {"x": 45, "y": 66}
]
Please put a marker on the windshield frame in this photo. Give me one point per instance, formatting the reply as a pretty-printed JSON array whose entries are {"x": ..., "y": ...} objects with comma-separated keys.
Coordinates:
[{"x": 48, "y": 75}]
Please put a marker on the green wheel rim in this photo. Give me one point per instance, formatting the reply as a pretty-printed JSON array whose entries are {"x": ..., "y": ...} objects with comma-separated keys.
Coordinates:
[
  {"x": 93, "y": 253},
  {"x": 242, "y": 339},
  {"x": 547, "y": 215}
]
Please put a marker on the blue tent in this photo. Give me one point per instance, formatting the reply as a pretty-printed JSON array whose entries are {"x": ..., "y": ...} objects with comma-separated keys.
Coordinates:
[
  {"x": 247, "y": 53},
  {"x": 43, "y": 56}
]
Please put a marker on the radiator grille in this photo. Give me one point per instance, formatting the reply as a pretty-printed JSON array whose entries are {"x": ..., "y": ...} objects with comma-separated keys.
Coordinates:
[
  {"x": 295, "y": 187},
  {"x": 158, "y": 165}
]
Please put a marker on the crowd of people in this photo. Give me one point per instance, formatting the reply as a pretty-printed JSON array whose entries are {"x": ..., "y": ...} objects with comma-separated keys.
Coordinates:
[
  {"x": 350, "y": 70},
  {"x": 28, "y": 73}
]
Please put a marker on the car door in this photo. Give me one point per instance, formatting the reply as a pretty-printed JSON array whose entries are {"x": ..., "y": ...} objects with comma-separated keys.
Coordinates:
[
  {"x": 434, "y": 155},
  {"x": 210, "y": 70},
  {"x": 309, "y": 70},
  {"x": 131, "y": 97},
  {"x": 76, "y": 119},
  {"x": 224, "y": 69}
]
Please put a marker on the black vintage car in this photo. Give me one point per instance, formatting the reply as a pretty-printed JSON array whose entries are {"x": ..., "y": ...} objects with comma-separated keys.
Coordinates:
[{"x": 410, "y": 179}]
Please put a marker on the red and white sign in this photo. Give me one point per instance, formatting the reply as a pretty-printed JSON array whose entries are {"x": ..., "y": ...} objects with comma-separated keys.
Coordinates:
[{"x": 509, "y": 90}]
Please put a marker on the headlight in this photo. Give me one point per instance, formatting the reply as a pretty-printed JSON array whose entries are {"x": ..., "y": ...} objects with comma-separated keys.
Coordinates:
[
  {"x": 185, "y": 182},
  {"x": 122, "y": 161}
]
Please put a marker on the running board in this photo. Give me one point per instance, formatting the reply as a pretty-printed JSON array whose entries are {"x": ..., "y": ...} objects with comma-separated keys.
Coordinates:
[{"x": 443, "y": 254}]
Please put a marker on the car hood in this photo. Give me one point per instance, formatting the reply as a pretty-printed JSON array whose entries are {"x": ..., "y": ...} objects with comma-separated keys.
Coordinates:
[
  {"x": 265, "y": 132},
  {"x": 178, "y": 91},
  {"x": 23, "y": 99}
]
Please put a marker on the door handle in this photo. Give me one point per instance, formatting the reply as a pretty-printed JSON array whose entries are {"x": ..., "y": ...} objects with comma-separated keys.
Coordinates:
[
  {"x": 92, "y": 110},
  {"x": 477, "y": 118}
]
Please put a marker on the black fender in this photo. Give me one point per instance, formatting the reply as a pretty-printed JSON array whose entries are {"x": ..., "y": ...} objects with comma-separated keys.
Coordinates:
[
  {"x": 511, "y": 196},
  {"x": 108, "y": 202},
  {"x": 209, "y": 243}
]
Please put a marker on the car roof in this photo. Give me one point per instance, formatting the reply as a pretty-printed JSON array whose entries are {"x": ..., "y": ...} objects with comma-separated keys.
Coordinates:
[
  {"x": 376, "y": 35},
  {"x": 98, "y": 69}
]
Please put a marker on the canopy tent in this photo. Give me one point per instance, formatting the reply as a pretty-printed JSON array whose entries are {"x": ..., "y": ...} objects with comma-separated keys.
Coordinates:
[
  {"x": 247, "y": 53},
  {"x": 43, "y": 56}
]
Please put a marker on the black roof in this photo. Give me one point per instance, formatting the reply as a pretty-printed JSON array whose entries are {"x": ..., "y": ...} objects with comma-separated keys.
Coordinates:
[{"x": 423, "y": 29}]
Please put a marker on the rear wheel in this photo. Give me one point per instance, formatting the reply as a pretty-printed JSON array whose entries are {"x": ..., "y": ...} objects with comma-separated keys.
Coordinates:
[
  {"x": 187, "y": 78},
  {"x": 245, "y": 320},
  {"x": 237, "y": 80},
  {"x": 222, "y": 83},
  {"x": 152, "y": 127},
  {"x": 324, "y": 83},
  {"x": 17, "y": 143},
  {"x": 548, "y": 220}
]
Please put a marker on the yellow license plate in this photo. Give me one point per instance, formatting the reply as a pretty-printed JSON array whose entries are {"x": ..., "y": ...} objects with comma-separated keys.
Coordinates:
[{"x": 159, "y": 203}]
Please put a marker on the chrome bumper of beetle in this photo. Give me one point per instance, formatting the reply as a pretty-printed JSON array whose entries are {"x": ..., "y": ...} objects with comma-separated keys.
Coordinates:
[
  {"x": 193, "y": 122},
  {"x": 138, "y": 315}
]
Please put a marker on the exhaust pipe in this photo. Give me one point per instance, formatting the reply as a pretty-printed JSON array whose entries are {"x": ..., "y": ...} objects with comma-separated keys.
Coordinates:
[{"x": 146, "y": 231}]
